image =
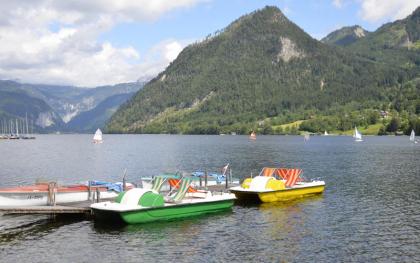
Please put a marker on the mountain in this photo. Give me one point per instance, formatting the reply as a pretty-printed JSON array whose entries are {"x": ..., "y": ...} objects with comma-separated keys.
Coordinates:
[
  {"x": 16, "y": 103},
  {"x": 70, "y": 101},
  {"x": 401, "y": 34},
  {"x": 345, "y": 36},
  {"x": 261, "y": 71},
  {"x": 397, "y": 44},
  {"x": 89, "y": 121},
  {"x": 53, "y": 107}
]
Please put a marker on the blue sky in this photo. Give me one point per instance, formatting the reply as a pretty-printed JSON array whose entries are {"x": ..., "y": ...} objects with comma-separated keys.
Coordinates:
[
  {"x": 317, "y": 18},
  {"x": 103, "y": 42}
]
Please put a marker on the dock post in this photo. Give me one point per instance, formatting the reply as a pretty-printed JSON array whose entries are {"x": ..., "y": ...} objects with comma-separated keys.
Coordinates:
[
  {"x": 98, "y": 195},
  {"x": 140, "y": 183},
  {"x": 89, "y": 190},
  {"x": 205, "y": 179},
  {"x": 227, "y": 181},
  {"x": 124, "y": 182},
  {"x": 51, "y": 194}
]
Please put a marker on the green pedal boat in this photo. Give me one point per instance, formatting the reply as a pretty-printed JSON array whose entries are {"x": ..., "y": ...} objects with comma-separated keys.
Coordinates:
[{"x": 140, "y": 205}]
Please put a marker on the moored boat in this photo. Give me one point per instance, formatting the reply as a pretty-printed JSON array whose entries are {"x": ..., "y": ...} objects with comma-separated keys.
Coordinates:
[
  {"x": 42, "y": 193},
  {"x": 139, "y": 205},
  {"x": 253, "y": 136},
  {"x": 413, "y": 137},
  {"x": 277, "y": 184}
]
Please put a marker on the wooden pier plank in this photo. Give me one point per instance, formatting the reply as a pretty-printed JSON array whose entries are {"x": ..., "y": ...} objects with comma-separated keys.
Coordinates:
[{"x": 57, "y": 209}]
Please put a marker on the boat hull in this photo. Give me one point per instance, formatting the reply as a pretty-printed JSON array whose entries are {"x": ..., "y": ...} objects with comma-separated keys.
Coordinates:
[
  {"x": 18, "y": 199},
  {"x": 165, "y": 213},
  {"x": 279, "y": 195}
]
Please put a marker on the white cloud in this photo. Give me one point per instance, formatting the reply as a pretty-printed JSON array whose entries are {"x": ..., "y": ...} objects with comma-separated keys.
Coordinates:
[
  {"x": 389, "y": 10},
  {"x": 172, "y": 50},
  {"x": 338, "y": 3},
  {"x": 56, "y": 42},
  {"x": 286, "y": 10}
]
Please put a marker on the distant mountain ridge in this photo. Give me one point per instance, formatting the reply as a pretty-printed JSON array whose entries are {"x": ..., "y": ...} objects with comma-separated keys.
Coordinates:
[
  {"x": 52, "y": 108},
  {"x": 263, "y": 69},
  {"x": 20, "y": 105},
  {"x": 404, "y": 33},
  {"x": 89, "y": 121},
  {"x": 345, "y": 36}
]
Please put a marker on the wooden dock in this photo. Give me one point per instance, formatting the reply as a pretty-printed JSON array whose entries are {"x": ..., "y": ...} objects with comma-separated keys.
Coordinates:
[
  {"x": 80, "y": 208},
  {"x": 56, "y": 209}
]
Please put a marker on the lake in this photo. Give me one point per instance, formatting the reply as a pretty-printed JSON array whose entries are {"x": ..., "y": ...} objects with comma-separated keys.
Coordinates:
[{"x": 370, "y": 210}]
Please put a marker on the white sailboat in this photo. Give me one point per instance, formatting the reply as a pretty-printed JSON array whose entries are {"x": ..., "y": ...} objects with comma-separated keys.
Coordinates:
[
  {"x": 27, "y": 136},
  {"x": 326, "y": 133},
  {"x": 357, "y": 135},
  {"x": 97, "y": 138},
  {"x": 413, "y": 136}
]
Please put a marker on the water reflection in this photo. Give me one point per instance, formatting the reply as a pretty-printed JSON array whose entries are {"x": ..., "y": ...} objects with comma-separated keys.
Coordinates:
[
  {"x": 369, "y": 211},
  {"x": 29, "y": 227}
]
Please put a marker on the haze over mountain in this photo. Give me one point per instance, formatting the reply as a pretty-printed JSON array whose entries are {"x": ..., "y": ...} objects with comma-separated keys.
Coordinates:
[
  {"x": 62, "y": 108},
  {"x": 263, "y": 70},
  {"x": 89, "y": 121}
]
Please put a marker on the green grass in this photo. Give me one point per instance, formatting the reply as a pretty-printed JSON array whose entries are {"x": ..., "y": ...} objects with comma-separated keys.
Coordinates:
[
  {"x": 416, "y": 45},
  {"x": 289, "y": 125},
  {"x": 369, "y": 130}
]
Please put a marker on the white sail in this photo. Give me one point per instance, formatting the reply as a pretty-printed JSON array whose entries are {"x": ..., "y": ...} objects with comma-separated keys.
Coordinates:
[
  {"x": 326, "y": 133},
  {"x": 357, "y": 135},
  {"x": 97, "y": 138},
  {"x": 412, "y": 136}
]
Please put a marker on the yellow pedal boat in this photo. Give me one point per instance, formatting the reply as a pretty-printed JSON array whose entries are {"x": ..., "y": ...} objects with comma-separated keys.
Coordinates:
[{"x": 277, "y": 184}]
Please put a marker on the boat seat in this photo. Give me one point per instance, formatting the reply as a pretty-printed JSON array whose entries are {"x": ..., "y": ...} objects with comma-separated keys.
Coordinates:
[
  {"x": 180, "y": 194},
  {"x": 259, "y": 182},
  {"x": 157, "y": 183}
]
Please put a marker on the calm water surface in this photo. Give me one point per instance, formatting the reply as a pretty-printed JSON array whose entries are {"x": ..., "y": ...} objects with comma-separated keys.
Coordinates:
[{"x": 370, "y": 211}]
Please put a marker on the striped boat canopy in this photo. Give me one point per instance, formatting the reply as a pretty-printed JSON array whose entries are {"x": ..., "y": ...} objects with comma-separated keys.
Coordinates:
[
  {"x": 291, "y": 175},
  {"x": 158, "y": 182},
  {"x": 169, "y": 175},
  {"x": 175, "y": 183}
]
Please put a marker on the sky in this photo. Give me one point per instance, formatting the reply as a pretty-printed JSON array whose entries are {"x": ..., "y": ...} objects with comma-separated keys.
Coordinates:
[{"x": 90, "y": 43}]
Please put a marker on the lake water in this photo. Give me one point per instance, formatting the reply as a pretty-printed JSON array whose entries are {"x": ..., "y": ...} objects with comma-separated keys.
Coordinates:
[{"x": 370, "y": 210}]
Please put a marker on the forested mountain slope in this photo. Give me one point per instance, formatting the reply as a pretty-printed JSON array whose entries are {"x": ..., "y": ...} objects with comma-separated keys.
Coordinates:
[{"x": 263, "y": 70}]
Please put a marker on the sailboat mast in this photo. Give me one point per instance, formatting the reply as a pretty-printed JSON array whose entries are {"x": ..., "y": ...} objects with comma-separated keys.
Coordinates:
[
  {"x": 17, "y": 128},
  {"x": 26, "y": 120}
]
